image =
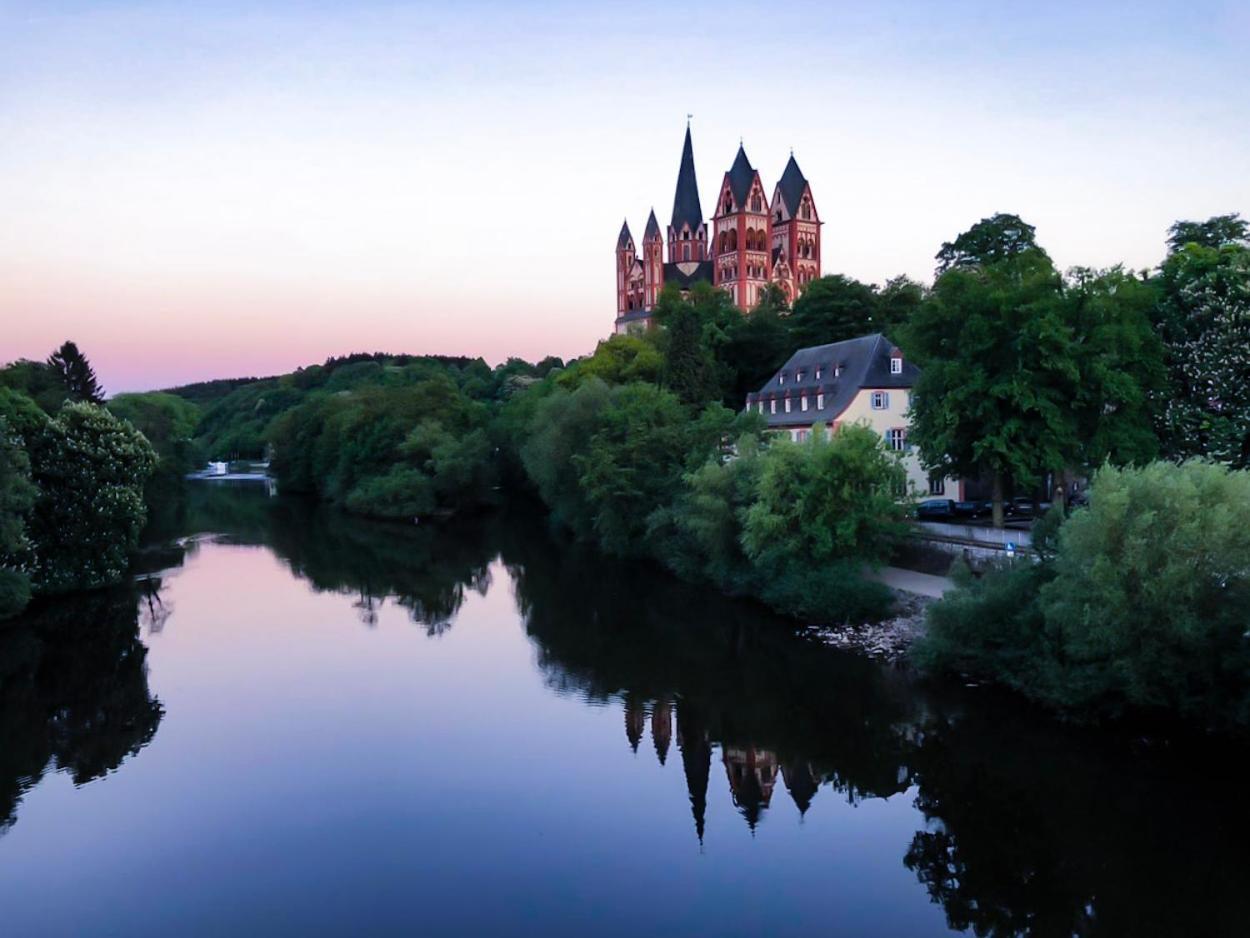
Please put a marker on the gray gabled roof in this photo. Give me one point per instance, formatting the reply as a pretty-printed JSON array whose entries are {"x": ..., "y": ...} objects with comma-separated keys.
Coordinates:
[
  {"x": 625, "y": 238},
  {"x": 792, "y": 185},
  {"x": 865, "y": 363},
  {"x": 653, "y": 228},
  {"x": 740, "y": 176},
  {"x": 686, "y": 207}
]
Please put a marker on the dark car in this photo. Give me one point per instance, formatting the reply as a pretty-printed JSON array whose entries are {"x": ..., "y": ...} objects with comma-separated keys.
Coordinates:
[
  {"x": 1022, "y": 507},
  {"x": 976, "y": 508},
  {"x": 936, "y": 509}
]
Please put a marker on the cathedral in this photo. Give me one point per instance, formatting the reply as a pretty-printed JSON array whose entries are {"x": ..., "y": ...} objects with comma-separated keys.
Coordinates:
[{"x": 750, "y": 242}]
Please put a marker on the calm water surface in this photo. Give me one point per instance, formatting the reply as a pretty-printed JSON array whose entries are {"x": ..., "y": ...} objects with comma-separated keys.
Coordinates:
[{"x": 301, "y": 723}]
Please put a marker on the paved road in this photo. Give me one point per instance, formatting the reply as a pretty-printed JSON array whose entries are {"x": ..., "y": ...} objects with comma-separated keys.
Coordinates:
[{"x": 924, "y": 584}]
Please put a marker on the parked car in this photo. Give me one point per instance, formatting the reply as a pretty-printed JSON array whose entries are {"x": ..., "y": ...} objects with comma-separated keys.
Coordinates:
[
  {"x": 936, "y": 509},
  {"x": 1022, "y": 507},
  {"x": 975, "y": 508}
]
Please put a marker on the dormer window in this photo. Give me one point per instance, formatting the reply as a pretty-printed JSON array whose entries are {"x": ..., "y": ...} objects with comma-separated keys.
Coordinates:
[
  {"x": 799, "y": 376},
  {"x": 837, "y": 370},
  {"x": 787, "y": 403},
  {"x": 781, "y": 378},
  {"x": 820, "y": 401},
  {"x": 896, "y": 364},
  {"x": 772, "y": 406},
  {"x": 803, "y": 403},
  {"x": 817, "y": 372}
]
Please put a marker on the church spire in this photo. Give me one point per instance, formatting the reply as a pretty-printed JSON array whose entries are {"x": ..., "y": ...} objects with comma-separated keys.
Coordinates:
[
  {"x": 686, "y": 207},
  {"x": 653, "y": 228},
  {"x": 625, "y": 239}
]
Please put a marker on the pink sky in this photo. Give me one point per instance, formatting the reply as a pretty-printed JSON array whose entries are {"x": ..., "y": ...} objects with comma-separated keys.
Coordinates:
[{"x": 192, "y": 192}]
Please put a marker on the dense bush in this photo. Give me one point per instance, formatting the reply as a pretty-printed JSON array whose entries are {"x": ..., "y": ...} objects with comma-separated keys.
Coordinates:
[
  {"x": 387, "y": 452},
  {"x": 1143, "y": 607},
  {"x": 639, "y": 473},
  {"x": 17, "y": 497},
  {"x": 169, "y": 423}
]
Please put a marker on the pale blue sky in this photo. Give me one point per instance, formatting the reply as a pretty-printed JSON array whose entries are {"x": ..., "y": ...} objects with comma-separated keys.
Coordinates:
[{"x": 196, "y": 189}]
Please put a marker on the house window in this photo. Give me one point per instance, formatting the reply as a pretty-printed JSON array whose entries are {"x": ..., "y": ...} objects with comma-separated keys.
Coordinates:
[
  {"x": 896, "y": 366},
  {"x": 787, "y": 403},
  {"x": 817, "y": 372},
  {"x": 803, "y": 403},
  {"x": 820, "y": 401},
  {"x": 837, "y": 371},
  {"x": 937, "y": 485},
  {"x": 896, "y": 439},
  {"x": 761, "y": 407},
  {"x": 880, "y": 400},
  {"x": 799, "y": 376},
  {"x": 772, "y": 406},
  {"x": 803, "y": 435},
  {"x": 781, "y": 377}
]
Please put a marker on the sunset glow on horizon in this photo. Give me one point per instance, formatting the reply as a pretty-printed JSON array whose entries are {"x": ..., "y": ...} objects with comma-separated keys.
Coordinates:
[{"x": 194, "y": 191}]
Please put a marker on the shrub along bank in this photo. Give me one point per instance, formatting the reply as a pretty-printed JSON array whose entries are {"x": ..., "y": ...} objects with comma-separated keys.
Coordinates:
[{"x": 1138, "y": 605}]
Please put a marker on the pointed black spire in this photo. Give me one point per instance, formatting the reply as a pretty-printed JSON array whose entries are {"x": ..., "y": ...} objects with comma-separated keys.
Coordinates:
[
  {"x": 686, "y": 207},
  {"x": 802, "y": 784},
  {"x": 653, "y": 228},
  {"x": 626, "y": 238},
  {"x": 740, "y": 176},
  {"x": 792, "y": 185},
  {"x": 696, "y": 761}
]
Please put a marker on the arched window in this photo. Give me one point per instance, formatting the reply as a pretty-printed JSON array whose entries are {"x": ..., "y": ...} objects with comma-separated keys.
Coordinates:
[
  {"x": 733, "y": 240},
  {"x": 729, "y": 205},
  {"x": 756, "y": 204},
  {"x": 685, "y": 252}
]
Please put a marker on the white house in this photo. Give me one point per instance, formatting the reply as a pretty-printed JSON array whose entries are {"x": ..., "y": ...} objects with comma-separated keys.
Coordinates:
[{"x": 864, "y": 380}]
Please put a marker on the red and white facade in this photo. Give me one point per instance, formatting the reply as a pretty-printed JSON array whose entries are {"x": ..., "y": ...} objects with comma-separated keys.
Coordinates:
[{"x": 752, "y": 241}]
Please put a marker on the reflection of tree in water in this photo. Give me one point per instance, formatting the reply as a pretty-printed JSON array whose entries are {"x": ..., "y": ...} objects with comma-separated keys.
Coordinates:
[
  {"x": 1039, "y": 830},
  {"x": 73, "y": 692},
  {"x": 426, "y": 569},
  {"x": 727, "y": 673}
]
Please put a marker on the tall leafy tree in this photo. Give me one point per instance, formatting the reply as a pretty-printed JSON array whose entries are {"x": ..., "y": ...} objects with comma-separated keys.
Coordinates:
[
  {"x": 831, "y": 309},
  {"x": 897, "y": 302},
  {"x": 689, "y": 370},
  {"x": 76, "y": 374},
  {"x": 1203, "y": 316},
  {"x": 997, "y": 238},
  {"x": 1000, "y": 374},
  {"x": 1121, "y": 365},
  {"x": 1216, "y": 232}
]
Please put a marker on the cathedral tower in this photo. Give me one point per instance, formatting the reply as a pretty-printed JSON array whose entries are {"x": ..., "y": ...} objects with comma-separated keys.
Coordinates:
[
  {"x": 795, "y": 231},
  {"x": 629, "y": 273},
  {"x": 741, "y": 234},
  {"x": 652, "y": 262},
  {"x": 687, "y": 235}
]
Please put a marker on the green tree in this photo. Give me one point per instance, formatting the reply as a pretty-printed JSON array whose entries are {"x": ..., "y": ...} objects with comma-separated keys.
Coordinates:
[
  {"x": 1001, "y": 373},
  {"x": 169, "y": 422},
  {"x": 832, "y": 308},
  {"x": 619, "y": 359},
  {"x": 90, "y": 469},
  {"x": 1216, "y": 232},
  {"x": 1141, "y": 608},
  {"x": 897, "y": 302},
  {"x": 1203, "y": 316},
  {"x": 688, "y": 371},
  {"x": 38, "y": 381},
  {"x": 991, "y": 240},
  {"x": 76, "y": 374},
  {"x": 17, "y": 497}
]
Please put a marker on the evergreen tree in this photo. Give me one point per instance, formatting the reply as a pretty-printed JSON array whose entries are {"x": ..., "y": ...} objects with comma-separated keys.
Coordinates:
[
  {"x": 76, "y": 373},
  {"x": 689, "y": 371}
]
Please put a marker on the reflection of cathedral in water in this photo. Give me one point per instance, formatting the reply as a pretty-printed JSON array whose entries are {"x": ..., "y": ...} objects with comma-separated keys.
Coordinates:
[{"x": 751, "y": 770}]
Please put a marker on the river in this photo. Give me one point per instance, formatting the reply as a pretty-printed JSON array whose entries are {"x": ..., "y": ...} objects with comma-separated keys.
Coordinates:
[{"x": 297, "y": 722}]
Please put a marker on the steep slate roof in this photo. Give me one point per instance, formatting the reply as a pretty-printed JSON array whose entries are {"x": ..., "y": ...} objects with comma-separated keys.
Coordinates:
[
  {"x": 673, "y": 274},
  {"x": 792, "y": 185},
  {"x": 740, "y": 176},
  {"x": 865, "y": 364},
  {"x": 625, "y": 238},
  {"x": 653, "y": 228},
  {"x": 686, "y": 207}
]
